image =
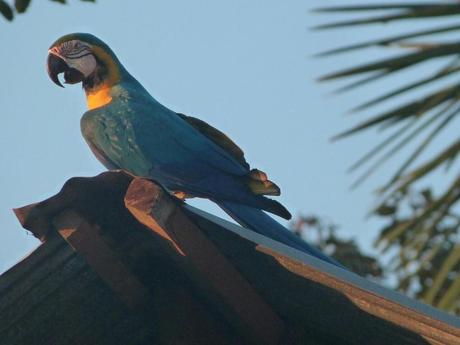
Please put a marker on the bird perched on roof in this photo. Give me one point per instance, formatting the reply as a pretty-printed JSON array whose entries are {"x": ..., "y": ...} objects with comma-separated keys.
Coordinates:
[{"x": 126, "y": 128}]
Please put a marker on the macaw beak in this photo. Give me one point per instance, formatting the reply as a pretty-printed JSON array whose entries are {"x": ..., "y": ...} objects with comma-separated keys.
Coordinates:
[{"x": 56, "y": 65}]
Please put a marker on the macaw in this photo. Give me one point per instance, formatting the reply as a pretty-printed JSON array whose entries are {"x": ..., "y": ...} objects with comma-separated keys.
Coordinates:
[{"x": 126, "y": 128}]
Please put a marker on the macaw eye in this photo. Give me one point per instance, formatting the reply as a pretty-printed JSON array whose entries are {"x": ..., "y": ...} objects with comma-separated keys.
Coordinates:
[{"x": 77, "y": 45}]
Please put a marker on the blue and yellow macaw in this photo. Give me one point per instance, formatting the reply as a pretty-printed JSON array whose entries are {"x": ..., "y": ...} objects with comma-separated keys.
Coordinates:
[{"x": 126, "y": 128}]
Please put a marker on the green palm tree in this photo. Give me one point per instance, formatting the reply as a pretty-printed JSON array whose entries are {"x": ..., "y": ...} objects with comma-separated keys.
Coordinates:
[{"x": 422, "y": 227}]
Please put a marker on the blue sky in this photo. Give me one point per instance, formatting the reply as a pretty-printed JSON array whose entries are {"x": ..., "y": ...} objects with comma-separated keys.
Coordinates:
[{"x": 246, "y": 67}]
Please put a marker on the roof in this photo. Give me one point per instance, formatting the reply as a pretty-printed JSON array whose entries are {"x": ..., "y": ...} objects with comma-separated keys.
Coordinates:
[{"x": 123, "y": 262}]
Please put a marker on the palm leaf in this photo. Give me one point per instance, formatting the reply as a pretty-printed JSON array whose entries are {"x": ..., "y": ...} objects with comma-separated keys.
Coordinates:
[
  {"x": 418, "y": 151},
  {"x": 415, "y": 108},
  {"x": 405, "y": 6},
  {"x": 449, "y": 153},
  {"x": 449, "y": 263},
  {"x": 407, "y": 11},
  {"x": 412, "y": 109},
  {"x": 451, "y": 296},
  {"x": 445, "y": 72},
  {"x": 421, "y": 119},
  {"x": 400, "y": 62},
  {"x": 390, "y": 40}
]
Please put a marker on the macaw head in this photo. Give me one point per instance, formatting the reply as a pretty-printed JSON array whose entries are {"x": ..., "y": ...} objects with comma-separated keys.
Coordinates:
[{"x": 83, "y": 58}]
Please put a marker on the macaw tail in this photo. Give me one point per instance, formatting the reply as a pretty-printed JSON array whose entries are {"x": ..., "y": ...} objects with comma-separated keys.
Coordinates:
[{"x": 258, "y": 221}]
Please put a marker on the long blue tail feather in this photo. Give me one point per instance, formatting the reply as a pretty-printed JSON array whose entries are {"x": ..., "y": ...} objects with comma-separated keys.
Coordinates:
[{"x": 258, "y": 221}]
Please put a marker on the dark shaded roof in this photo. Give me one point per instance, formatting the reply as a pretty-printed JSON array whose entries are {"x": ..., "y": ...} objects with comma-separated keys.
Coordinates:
[{"x": 123, "y": 262}]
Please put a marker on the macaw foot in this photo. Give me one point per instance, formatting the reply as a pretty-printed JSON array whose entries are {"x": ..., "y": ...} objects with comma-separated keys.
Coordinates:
[{"x": 181, "y": 195}]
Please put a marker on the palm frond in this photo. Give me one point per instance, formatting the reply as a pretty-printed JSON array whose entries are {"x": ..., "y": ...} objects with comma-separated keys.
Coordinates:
[
  {"x": 406, "y": 11},
  {"x": 379, "y": 7},
  {"x": 412, "y": 109},
  {"x": 424, "y": 235},
  {"x": 418, "y": 151},
  {"x": 449, "y": 300},
  {"x": 445, "y": 155},
  {"x": 445, "y": 72},
  {"x": 428, "y": 254},
  {"x": 390, "y": 40},
  {"x": 398, "y": 63},
  {"x": 404, "y": 141},
  {"x": 448, "y": 264}
]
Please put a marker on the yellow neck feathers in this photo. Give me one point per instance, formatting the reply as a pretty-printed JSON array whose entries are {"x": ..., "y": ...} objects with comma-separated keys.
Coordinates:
[
  {"x": 99, "y": 98},
  {"x": 102, "y": 95}
]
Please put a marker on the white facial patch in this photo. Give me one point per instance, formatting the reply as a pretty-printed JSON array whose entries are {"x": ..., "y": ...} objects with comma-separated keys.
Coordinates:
[
  {"x": 85, "y": 64},
  {"x": 78, "y": 55}
]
